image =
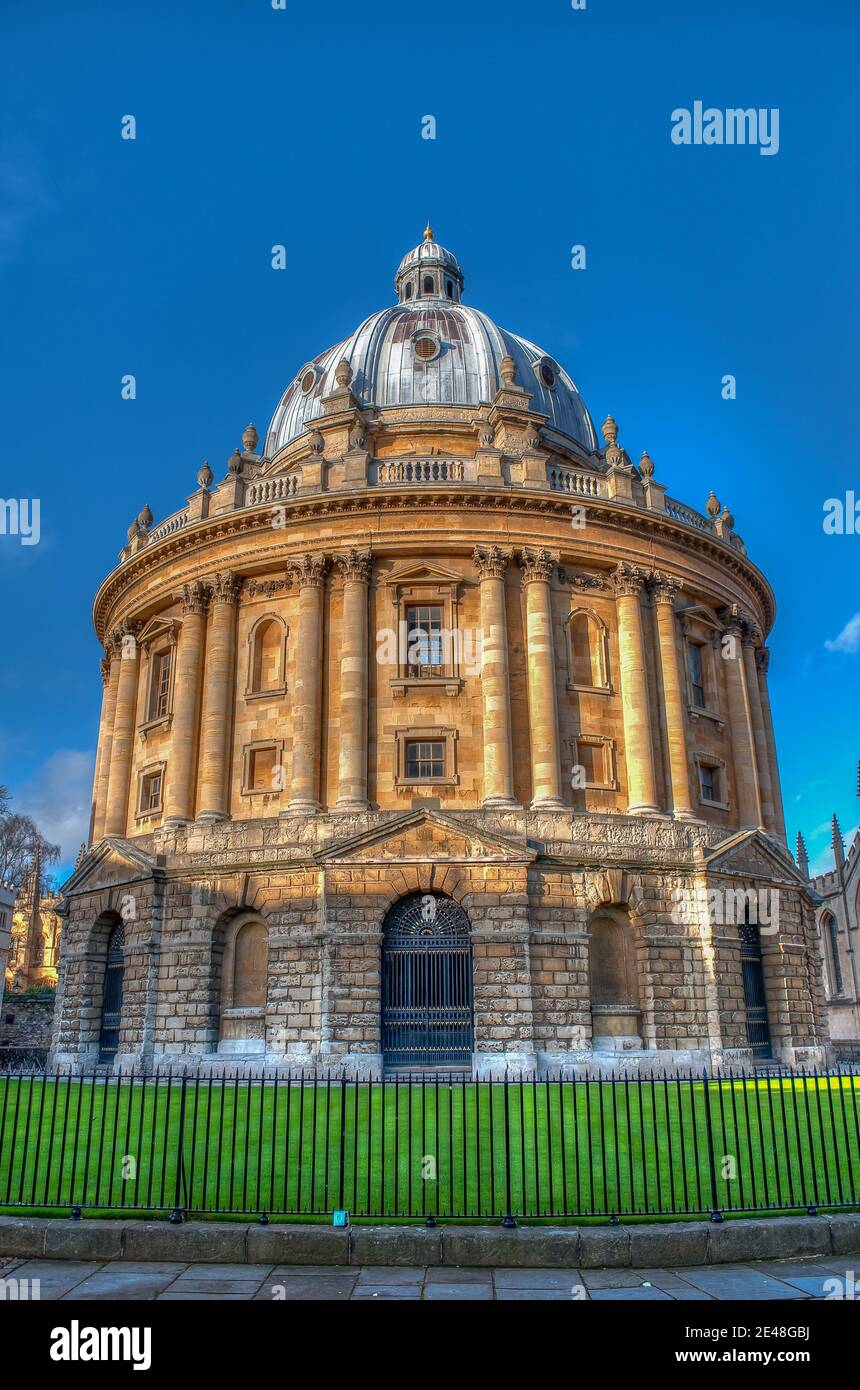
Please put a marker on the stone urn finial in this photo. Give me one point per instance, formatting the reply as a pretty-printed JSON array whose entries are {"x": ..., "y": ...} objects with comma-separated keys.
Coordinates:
[
  {"x": 727, "y": 521},
  {"x": 343, "y": 373},
  {"x": 236, "y": 463},
  {"x": 250, "y": 439},
  {"x": 144, "y": 518},
  {"x": 204, "y": 475},
  {"x": 712, "y": 506},
  {"x": 646, "y": 465},
  {"x": 609, "y": 429},
  {"x": 508, "y": 371}
]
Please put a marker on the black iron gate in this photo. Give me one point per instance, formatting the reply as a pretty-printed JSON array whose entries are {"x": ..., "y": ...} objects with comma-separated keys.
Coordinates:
[
  {"x": 755, "y": 1000},
  {"x": 427, "y": 1014},
  {"x": 112, "y": 996}
]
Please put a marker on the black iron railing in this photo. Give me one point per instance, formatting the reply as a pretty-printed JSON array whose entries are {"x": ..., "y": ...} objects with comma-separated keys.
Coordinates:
[{"x": 432, "y": 1147}]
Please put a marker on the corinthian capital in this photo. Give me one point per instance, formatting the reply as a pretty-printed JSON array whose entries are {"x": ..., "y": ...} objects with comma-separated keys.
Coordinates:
[
  {"x": 762, "y": 659},
  {"x": 355, "y": 564},
  {"x": 627, "y": 580},
  {"x": 122, "y": 640},
  {"x": 309, "y": 571},
  {"x": 537, "y": 565},
  {"x": 225, "y": 587},
  {"x": 664, "y": 587},
  {"x": 491, "y": 561},
  {"x": 194, "y": 597}
]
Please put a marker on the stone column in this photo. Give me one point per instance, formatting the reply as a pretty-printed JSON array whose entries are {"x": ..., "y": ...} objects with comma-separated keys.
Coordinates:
[
  {"x": 492, "y": 564},
  {"x": 126, "y": 655},
  {"x": 218, "y": 691},
  {"x": 185, "y": 727},
  {"x": 352, "y": 754},
  {"x": 638, "y": 751},
  {"x": 110, "y": 683},
  {"x": 537, "y": 566},
  {"x": 762, "y": 662},
  {"x": 762, "y": 757},
  {"x": 309, "y": 572},
  {"x": 743, "y": 749},
  {"x": 665, "y": 589}
]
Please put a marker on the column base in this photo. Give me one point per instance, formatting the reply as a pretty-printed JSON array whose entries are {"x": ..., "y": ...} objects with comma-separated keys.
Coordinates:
[
  {"x": 210, "y": 817},
  {"x": 358, "y": 804},
  {"x": 646, "y": 810},
  {"x": 500, "y": 803},
  {"x": 547, "y": 803},
  {"x": 174, "y": 822},
  {"x": 302, "y": 808}
]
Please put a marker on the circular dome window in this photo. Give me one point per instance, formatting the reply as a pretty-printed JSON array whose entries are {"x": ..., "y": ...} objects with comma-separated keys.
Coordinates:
[
  {"x": 425, "y": 346},
  {"x": 547, "y": 373},
  {"x": 307, "y": 378}
]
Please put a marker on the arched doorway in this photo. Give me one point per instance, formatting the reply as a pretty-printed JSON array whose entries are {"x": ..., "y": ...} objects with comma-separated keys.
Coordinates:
[
  {"x": 427, "y": 995},
  {"x": 755, "y": 999},
  {"x": 112, "y": 995}
]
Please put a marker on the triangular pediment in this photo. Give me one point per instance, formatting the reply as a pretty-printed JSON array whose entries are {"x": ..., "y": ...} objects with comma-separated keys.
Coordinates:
[
  {"x": 426, "y": 835},
  {"x": 752, "y": 853},
  {"x": 106, "y": 863},
  {"x": 422, "y": 573},
  {"x": 157, "y": 628}
]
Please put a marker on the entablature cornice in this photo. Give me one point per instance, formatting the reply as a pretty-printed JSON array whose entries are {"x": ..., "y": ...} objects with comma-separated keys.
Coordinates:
[{"x": 203, "y": 541}]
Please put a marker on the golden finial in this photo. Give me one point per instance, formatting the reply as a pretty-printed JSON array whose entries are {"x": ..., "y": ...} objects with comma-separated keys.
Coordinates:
[{"x": 428, "y": 233}]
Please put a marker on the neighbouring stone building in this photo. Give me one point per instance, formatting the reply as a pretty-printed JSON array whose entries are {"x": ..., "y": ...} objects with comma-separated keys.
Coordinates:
[
  {"x": 36, "y": 931},
  {"x": 7, "y": 904},
  {"x": 435, "y": 733},
  {"x": 838, "y": 919}
]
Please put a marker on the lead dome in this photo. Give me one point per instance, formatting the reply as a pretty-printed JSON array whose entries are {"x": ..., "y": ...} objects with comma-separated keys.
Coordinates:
[{"x": 431, "y": 349}]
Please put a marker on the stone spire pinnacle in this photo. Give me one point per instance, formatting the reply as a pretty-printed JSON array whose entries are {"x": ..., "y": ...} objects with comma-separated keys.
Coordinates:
[
  {"x": 837, "y": 843},
  {"x": 801, "y": 856}
]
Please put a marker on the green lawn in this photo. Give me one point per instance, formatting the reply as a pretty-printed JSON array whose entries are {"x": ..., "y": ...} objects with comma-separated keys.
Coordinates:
[{"x": 539, "y": 1150}]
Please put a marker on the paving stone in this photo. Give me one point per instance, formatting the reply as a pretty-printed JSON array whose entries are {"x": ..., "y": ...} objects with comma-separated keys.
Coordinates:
[
  {"x": 386, "y": 1292},
  {"x": 461, "y": 1292},
  {"x": 611, "y": 1278},
  {"x": 534, "y": 1294},
  {"x": 390, "y": 1274},
  {"x": 640, "y": 1295},
  {"x": 115, "y": 1284},
  {"x": 739, "y": 1282},
  {"x": 304, "y": 1290},
  {"x": 222, "y": 1272},
  {"x": 346, "y": 1272},
  {"x": 822, "y": 1285},
  {"x": 459, "y": 1275},
  {"x": 562, "y": 1279}
]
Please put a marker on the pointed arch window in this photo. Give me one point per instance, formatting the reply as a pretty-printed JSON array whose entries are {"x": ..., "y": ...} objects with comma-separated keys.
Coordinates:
[
  {"x": 587, "y": 652},
  {"x": 830, "y": 932}
]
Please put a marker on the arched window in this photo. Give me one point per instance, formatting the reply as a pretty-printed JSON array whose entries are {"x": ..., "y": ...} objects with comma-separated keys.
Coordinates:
[
  {"x": 615, "y": 1013},
  {"x": 429, "y": 284},
  {"x": 267, "y": 658},
  {"x": 449, "y": 288},
  {"x": 830, "y": 933},
  {"x": 111, "y": 1018},
  {"x": 588, "y": 661},
  {"x": 408, "y": 292},
  {"x": 244, "y": 987}
]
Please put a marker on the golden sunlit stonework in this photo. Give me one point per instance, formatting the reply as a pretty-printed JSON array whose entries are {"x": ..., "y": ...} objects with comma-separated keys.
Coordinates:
[{"x": 429, "y": 638}]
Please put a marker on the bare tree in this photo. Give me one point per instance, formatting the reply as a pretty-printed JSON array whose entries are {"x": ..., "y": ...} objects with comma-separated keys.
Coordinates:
[{"x": 21, "y": 843}]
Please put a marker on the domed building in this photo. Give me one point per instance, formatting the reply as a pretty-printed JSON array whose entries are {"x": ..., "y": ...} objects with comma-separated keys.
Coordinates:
[{"x": 435, "y": 734}]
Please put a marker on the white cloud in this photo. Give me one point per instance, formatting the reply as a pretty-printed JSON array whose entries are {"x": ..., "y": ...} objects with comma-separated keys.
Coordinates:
[
  {"x": 57, "y": 795},
  {"x": 848, "y": 639}
]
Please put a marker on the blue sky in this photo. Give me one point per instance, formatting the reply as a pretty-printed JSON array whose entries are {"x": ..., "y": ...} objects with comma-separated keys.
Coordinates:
[{"x": 302, "y": 126}]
